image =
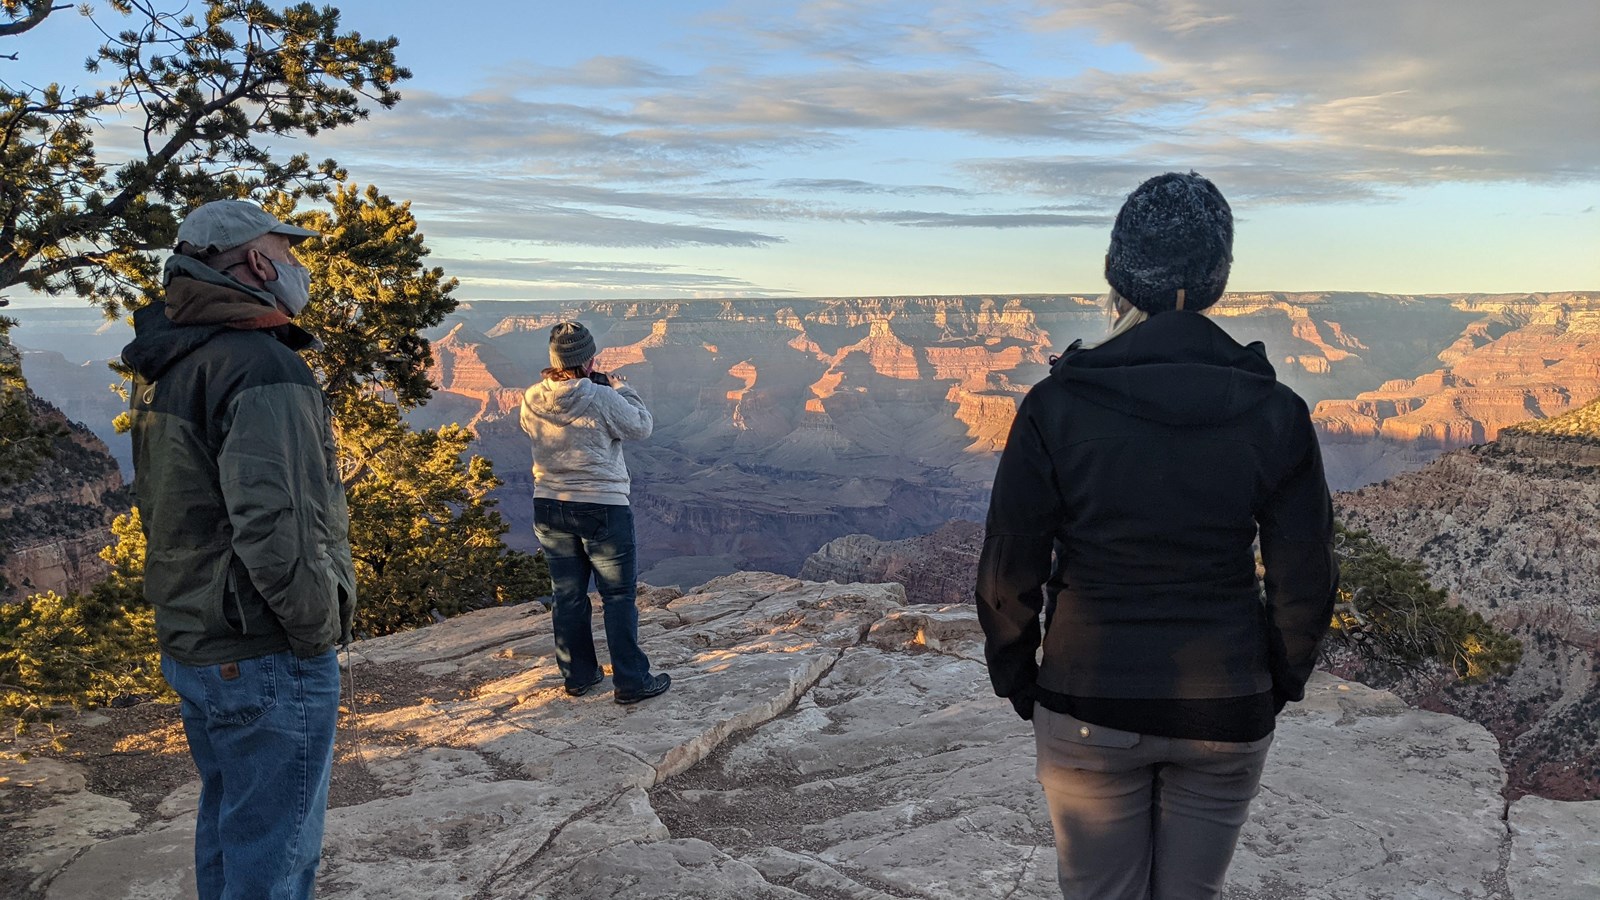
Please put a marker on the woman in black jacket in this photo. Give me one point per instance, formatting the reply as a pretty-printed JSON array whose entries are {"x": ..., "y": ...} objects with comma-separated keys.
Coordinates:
[{"x": 1135, "y": 482}]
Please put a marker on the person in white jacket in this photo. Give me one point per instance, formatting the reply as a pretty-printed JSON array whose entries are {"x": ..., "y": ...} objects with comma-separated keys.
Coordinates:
[{"x": 578, "y": 418}]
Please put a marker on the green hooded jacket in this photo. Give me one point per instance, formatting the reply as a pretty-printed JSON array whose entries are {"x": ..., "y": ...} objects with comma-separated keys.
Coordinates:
[{"x": 236, "y": 476}]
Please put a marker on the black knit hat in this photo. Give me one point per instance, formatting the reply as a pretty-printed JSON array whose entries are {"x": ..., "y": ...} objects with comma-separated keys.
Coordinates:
[
  {"x": 571, "y": 345},
  {"x": 1172, "y": 244}
]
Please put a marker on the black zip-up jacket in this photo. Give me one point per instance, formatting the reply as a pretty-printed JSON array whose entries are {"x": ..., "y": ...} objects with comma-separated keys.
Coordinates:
[{"x": 1145, "y": 468}]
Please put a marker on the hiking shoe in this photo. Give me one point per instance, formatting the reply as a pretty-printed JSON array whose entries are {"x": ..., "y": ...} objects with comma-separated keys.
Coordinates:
[
  {"x": 581, "y": 689},
  {"x": 655, "y": 687}
]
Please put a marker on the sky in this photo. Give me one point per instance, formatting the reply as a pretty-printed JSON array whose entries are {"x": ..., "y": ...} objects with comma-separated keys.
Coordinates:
[{"x": 705, "y": 148}]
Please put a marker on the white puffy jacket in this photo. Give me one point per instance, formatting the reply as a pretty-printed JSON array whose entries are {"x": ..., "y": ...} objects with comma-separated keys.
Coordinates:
[{"x": 578, "y": 428}]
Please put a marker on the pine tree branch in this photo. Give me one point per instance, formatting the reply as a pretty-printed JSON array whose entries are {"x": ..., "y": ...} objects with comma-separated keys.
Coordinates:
[
  {"x": 37, "y": 13},
  {"x": 68, "y": 263}
]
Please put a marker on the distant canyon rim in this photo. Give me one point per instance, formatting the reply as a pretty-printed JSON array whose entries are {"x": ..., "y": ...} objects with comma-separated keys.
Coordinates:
[
  {"x": 782, "y": 424},
  {"x": 785, "y": 423}
]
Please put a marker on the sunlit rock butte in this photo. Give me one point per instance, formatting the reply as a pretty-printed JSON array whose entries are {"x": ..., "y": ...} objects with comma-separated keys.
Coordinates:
[{"x": 782, "y": 424}]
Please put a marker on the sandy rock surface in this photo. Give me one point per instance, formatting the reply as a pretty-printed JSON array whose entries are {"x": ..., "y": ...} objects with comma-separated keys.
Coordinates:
[
  {"x": 819, "y": 741},
  {"x": 1555, "y": 849}
]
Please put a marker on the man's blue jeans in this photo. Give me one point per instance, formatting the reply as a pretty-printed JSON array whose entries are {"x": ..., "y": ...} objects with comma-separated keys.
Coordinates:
[
  {"x": 580, "y": 541},
  {"x": 261, "y": 733}
]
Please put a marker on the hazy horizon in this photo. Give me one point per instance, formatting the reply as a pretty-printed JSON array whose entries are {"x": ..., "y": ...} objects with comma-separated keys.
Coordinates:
[{"x": 21, "y": 303}]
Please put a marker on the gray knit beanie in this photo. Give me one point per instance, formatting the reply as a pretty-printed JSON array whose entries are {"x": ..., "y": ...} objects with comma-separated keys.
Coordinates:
[
  {"x": 1172, "y": 244},
  {"x": 571, "y": 345}
]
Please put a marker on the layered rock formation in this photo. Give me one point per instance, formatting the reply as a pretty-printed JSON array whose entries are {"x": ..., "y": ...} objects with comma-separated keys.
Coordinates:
[
  {"x": 1512, "y": 530},
  {"x": 940, "y": 567},
  {"x": 1523, "y": 358},
  {"x": 820, "y": 741},
  {"x": 782, "y": 424},
  {"x": 473, "y": 367},
  {"x": 53, "y": 525}
]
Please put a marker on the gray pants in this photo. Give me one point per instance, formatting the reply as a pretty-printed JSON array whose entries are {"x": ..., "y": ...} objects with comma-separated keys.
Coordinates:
[{"x": 1139, "y": 817}]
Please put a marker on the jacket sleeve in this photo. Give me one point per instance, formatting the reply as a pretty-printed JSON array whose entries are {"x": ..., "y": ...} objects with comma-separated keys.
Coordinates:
[
  {"x": 274, "y": 477},
  {"x": 1302, "y": 575},
  {"x": 526, "y": 418},
  {"x": 1024, "y": 513},
  {"x": 628, "y": 420}
]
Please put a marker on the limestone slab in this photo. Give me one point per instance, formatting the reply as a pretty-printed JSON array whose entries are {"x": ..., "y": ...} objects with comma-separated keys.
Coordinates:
[
  {"x": 71, "y": 819},
  {"x": 1363, "y": 796},
  {"x": 183, "y": 801},
  {"x": 947, "y": 629},
  {"x": 662, "y": 870},
  {"x": 157, "y": 864},
  {"x": 1555, "y": 850},
  {"x": 457, "y": 637},
  {"x": 819, "y": 741}
]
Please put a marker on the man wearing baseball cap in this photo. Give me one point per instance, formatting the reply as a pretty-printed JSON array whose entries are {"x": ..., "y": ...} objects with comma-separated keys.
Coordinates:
[{"x": 248, "y": 562}]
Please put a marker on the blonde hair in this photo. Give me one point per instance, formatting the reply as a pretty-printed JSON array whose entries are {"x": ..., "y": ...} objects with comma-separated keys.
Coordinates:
[{"x": 1122, "y": 321}]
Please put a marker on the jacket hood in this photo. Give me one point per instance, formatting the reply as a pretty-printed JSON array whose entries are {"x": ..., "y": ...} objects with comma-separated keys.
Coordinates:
[
  {"x": 1178, "y": 368},
  {"x": 560, "y": 401},
  {"x": 202, "y": 302},
  {"x": 158, "y": 342}
]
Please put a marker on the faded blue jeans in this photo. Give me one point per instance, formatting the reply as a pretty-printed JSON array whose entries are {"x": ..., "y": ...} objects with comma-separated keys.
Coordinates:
[
  {"x": 261, "y": 733},
  {"x": 580, "y": 541}
]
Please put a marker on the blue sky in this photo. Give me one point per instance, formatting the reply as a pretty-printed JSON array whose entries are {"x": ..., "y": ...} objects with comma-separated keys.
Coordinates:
[{"x": 857, "y": 147}]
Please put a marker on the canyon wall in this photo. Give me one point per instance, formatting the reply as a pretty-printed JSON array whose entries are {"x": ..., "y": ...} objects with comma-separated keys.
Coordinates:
[
  {"x": 83, "y": 393},
  {"x": 1512, "y": 530},
  {"x": 939, "y": 567},
  {"x": 53, "y": 525},
  {"x": 782, "y": 424},
  {"x": 1519, "y": 359},
  {"x": 785, "y": 423}
]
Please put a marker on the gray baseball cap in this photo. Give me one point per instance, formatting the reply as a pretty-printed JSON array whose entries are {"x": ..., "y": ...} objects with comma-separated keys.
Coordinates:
[{"x": 225, "y": 224}]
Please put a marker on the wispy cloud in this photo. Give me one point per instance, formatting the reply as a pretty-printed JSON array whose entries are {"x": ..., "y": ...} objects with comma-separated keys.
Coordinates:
[
  {"x": 551, "y": 138},
  {"x": 597, "y": 72},
  {"x": 554, "y": 211},
  {"x": 866, "y": 33},
  {"x": 536, "y": 210},
  {"x": 537, "y": 277},
  {"x": 856, "y": 186},
  {"x": 988, "y": 102},
  {"x": 1273, "y": 175},
  {"x": 580, "y": 227},
  {"x": 991, "y": 220}
]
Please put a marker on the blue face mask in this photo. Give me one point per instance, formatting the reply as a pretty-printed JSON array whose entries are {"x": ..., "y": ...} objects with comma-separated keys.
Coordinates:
[{"x": 292, "y": 287}]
